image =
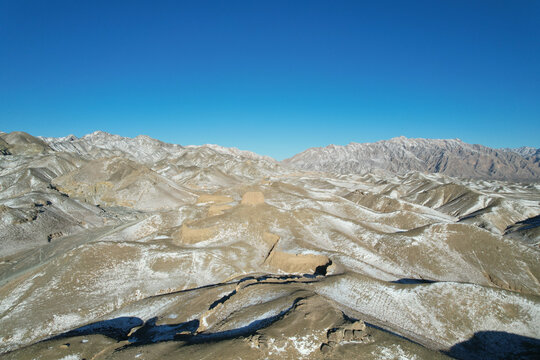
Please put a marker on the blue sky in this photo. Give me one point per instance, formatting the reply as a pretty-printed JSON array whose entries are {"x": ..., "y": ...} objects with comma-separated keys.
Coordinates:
[{"x": 274, "y": 77}]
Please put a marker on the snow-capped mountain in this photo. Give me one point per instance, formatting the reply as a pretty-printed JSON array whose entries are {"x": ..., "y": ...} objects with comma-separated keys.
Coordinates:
[
  {"x": 141, "y": 148},
  {"x": 401, "y": 155}
]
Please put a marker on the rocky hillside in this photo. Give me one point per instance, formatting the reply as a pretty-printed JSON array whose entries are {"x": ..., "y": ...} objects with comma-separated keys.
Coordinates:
[
  {"x": 120, "y": 248},
  {"x": 402, "y": 155}
]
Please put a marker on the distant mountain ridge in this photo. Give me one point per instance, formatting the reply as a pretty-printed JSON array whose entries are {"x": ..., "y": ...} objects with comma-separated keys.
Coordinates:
[
  {"x": 142, "y": 148},
  {"x": 400, "y": 155}
]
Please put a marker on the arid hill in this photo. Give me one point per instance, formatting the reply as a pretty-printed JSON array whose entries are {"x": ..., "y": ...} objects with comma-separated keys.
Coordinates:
[{"x": 119, "y": 248}]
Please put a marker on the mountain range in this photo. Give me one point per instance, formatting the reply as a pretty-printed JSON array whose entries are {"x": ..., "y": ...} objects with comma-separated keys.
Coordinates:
[
  {"x": 123, "y": 248},
  {"x": 401, "y": 155}
]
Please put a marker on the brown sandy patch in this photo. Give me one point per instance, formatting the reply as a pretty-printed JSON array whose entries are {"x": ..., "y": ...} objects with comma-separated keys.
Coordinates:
[
  {"x": 214, "y": 210},
  {"x": 270, "y": 239},
  {"x": 218, "y": 199},
  {"x": 187, "y": 235},
  {"x": 296, "y": 263},
  {"x": 253, "y": 198},
  {"x": 166, "y": 264}
]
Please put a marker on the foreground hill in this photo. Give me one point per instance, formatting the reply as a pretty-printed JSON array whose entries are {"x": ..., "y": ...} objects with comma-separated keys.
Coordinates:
[
  {"x": 401, "y": 155},
  {"x": 119, "y": 248}
]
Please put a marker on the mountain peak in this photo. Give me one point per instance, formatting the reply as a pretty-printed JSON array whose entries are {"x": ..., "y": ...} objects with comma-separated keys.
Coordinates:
[
  {"x": 401, "y": 155},
  {"x": 97, "y": 133}
]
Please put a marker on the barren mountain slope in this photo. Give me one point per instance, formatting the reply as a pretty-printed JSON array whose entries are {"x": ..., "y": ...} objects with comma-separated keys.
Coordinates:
[
  {"x": 206, "y": 252},
  {"x": 401, "y": 155}
]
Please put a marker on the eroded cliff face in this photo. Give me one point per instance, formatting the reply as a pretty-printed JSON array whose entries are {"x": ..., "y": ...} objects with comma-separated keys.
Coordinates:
[{"x": 131, "y": 248}]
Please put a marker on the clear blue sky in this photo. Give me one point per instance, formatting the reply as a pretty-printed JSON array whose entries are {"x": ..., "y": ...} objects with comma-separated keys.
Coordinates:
[{"x": 274, "y": 77}]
